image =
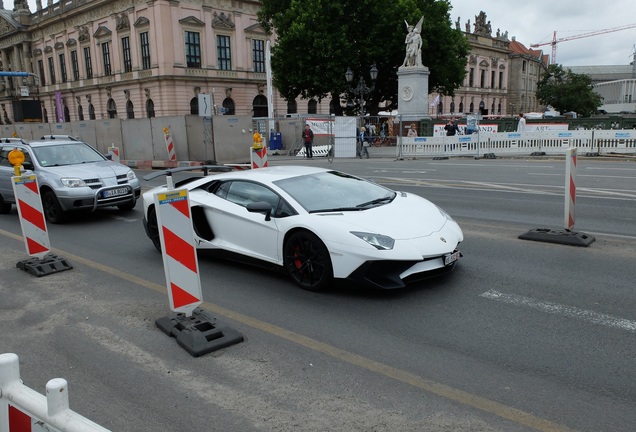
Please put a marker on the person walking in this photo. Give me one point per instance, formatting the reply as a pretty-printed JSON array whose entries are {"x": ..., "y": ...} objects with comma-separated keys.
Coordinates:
[
  {"x": 364, "y": 142},
  {"x": 308, "y": 140},
  {"x": 521, "y": 126},
  {"x": 451, "y": 128}
]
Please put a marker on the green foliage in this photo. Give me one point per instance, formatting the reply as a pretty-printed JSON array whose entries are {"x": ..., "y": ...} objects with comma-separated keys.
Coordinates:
[
  {"x": 318, "y": 39},
  {"x": 567, "y": 91}
]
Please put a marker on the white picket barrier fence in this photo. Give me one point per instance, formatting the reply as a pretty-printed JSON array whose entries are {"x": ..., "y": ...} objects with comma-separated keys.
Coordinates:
[
  {"x": 519, "y": 143},
  {"x": 23, "y": 409}
]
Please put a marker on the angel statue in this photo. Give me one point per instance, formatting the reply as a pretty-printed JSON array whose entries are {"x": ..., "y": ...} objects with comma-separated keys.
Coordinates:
[{"x": 413, "y": 44}]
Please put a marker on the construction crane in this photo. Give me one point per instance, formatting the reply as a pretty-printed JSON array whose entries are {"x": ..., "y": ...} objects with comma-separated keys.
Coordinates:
[{"x": 554, "y": 40}]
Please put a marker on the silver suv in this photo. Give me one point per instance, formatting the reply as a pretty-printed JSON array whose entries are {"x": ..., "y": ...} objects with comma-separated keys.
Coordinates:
[{"x": 71, "y": 175}]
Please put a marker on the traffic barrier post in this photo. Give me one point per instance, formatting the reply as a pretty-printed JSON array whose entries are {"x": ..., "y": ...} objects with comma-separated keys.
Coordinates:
[
  {"x": 172, "y": 155},
  {"x": 194, "y": 329},
  {"x": 33, "y": 223}
]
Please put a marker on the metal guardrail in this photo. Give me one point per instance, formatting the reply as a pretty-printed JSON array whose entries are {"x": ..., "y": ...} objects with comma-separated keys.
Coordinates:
[
  {"x": 517, "y": 143},
  {"x": 22, "y": 408}
]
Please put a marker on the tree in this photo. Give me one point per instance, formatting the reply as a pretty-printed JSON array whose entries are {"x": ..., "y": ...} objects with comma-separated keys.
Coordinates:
[
  {"x": 567, "y": 91},
  {"x": 318, "y": 39}
]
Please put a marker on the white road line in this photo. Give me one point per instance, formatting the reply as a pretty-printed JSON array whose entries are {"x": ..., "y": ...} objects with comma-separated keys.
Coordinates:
[{"x": 567, "y": 311}]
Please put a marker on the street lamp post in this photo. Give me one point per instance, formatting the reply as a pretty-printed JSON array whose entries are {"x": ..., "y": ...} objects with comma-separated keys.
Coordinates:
[{"x": 361, "y": 90}]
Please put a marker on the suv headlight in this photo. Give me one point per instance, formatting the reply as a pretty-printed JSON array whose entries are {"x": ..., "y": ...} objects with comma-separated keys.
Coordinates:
[
  {"x": 73, "y": 182},
  {"x": 378, "y": 241},
  {"x": 131, "y": 175}
]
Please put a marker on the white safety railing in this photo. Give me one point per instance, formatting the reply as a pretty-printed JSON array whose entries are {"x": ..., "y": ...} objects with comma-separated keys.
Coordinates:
[
  {"x": 520, "y": 143},
  {"x": 22, "y": 408}
]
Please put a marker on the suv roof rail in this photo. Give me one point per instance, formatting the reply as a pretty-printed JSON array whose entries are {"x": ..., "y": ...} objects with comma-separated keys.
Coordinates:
[
  {"x": 52, "y": 137},
  {"x": 12, "y": 139}
]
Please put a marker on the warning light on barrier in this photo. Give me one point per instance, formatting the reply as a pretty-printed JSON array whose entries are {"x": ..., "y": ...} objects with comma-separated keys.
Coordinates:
[
  {"x": 16, "y": 158},
  {"x": 258, "y": 141}
]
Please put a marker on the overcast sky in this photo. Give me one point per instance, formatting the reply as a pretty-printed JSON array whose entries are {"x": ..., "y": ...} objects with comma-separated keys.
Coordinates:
[{"x": 534, "y": 21}]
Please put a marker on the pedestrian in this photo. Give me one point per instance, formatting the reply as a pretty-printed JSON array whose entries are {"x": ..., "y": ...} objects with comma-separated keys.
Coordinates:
[
  {"x": 521, "y": 126},
  {"x": 412, "y": 131},
  {"x": 451, "y": 128},
  {"x": 308, "y": 140},
  {"x": 364, "y": 142}
]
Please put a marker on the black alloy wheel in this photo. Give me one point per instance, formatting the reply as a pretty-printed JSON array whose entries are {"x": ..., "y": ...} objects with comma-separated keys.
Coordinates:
[
  {"x": 52, "y": 208},
  {"x": 307, "y": 261},
  {"x": 153, "y": 228}
]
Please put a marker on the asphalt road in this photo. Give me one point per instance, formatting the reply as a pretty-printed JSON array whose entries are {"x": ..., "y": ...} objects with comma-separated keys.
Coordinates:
[{"x": 521, "y": 336}]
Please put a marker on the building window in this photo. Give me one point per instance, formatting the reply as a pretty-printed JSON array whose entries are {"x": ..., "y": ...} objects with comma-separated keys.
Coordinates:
[
  {"x": 523, "y": 66},
  {"x": 224, "y": 53},
  {"x": 229, "y": 108},
  {"x": 63, "y": 68},
  {"x": 312, "y": 106},
  {"x": 111, "y": 108},
  {"x": 194, "y": 106},
  {"x": 75, "y": 65},
  {"x": 51, "y": 70},
  {"x": 80, "y": 112},
  {"x": 258, "y": 55},
  {"x": 493, "y": 83},
  {"x": 482, "y": 78},
  {"x": 471, "y": 77},
  {"x": 292, "y": 108},
  {"x": 91, "y": 111},
  {"x": 501, "y": 80},
  {"x": 125, "y": 48},
  {"x": 150, "y": 108},
  {"x": 145, "y": 50},
  {"x": 130, "y": 110},
  {"x": 41, "y": 69},
  {"x": 106, "y": 58},
  {"x": 193, "y": 49},
  {"x": 461, "y": 107},
  {"x": 87, "y": 63}
]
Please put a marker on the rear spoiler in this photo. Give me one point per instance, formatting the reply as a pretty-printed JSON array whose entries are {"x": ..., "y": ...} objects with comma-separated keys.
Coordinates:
[{"x": 205, "y": 168}]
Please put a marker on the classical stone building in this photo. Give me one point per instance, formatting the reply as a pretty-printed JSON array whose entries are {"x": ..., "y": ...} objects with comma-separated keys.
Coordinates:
[
  {"x": 96, "y": 59},
  {"x": 501, "y": 75}
]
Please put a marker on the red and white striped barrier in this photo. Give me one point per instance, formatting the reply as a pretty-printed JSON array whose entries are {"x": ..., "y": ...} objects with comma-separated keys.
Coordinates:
[
  {"x": 179, "y": 254},
  {"x": 29, "y": 204},
  {"x": 114, "y": 151},
  {"x": 172, "y": 156},
  {"x": 259, "y": 157},
  {"x": 25, "y": 410},
  {"x": 570, "y": 188}
]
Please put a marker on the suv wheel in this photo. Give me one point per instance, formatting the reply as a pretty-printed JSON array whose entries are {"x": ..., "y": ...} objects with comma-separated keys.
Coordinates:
[
  {"x": 5, "y": 208},
  {"x": 52, "y": 209}
]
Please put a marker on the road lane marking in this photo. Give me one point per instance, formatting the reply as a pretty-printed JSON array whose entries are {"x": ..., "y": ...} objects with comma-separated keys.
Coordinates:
[
  {"x": 460, "y": 396},
  {"x": 563, "y": 310}
]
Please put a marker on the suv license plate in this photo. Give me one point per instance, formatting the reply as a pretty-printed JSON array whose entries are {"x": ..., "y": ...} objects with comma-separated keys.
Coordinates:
[
  {"x": 115, "y": 192},
  {"x": 451, "y": 258}
]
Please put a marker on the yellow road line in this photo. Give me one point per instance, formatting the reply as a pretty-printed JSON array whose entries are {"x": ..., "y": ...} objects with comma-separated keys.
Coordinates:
[{"x": 456, "y": 395}]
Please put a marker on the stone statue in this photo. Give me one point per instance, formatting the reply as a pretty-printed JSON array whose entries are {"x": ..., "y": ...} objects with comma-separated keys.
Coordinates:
[
  {"x": 413, "y": 44},
  {"x": 457, "y": 23},
  {"x": 468, "y": 26}
]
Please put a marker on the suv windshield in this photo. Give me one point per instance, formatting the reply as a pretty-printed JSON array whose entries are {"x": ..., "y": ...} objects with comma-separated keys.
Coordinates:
[{"x": 66, "y": 154}]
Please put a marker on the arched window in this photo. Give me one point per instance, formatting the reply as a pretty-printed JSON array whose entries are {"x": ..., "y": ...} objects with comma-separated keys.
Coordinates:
[
  {"x": 130, "y": 110},
  {"x": 45, "y": 115},
  {"x": 67, "y": 114},
  {"x": 461, "y": 107},
  {"x": 440, "y": 108},
  {"x": 499, "y": 108},
  {"x": 472, "y": 107},
  {"x": 332, "y": 107},
  {"x": 194, "y": 106},
  {"x": 492, "y": 108},
  {"x": 111, "y": 108},
  {"x": 259, "y": 105},
  {"x": 292, "y": 107},
  {"x": 228, "y": 107},
  {"x": 150, "y": 108},
  {"x": 80, "y": 112},
  {"x": 452, "y": 107},
  {"x": 91, "y": 111},
  {"x": 312, "y": 106}
]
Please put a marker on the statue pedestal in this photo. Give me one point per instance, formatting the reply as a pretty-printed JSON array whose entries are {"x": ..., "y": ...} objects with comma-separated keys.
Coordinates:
[{"x": 413, "y": 92}]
